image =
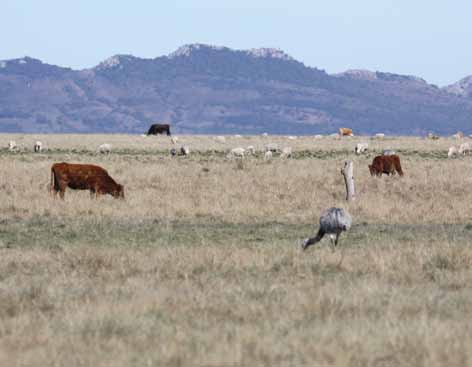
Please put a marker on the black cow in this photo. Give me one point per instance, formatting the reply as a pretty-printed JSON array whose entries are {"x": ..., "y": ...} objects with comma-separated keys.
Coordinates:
[{"x": 156, "y": 129}]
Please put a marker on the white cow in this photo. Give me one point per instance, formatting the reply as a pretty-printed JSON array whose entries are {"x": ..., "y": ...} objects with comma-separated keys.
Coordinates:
[
  {"x": 11, "y": 145},
  {"x": 268, "y": 155},
  {"x": 361, "y": 148},
  {"x": 38, "y": 147},
  {"x": 389, "y": 152},
  {"x": 104, "y": 148},
  {"x": 265, "y": 135},
  {"x": 452, "y": 152},
  {"x": 292, "y": 138},
  {"x": 465, "y": 148},
  {"x": 379, "y": 135},
  {"x": 286, "y": 152},
  {"x": 174, "y": 139}
]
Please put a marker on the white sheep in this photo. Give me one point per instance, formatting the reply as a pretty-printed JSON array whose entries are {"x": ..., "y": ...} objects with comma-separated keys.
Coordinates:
[
  {"x": 184, "y": 150},
  {"x": 333, "y": 221},
  {"x": 268, "y": 155},
  {"x": 174, "y": 139},
  {"x": 388, "y": 152},
  {"x": 251, "y": 150},
  {"x": 104, "y": 148},
  {"x": 286, "y": 152},
  {"x": 38, "y": 147},
  {"x": 11, "y": 145},
  {"x": 465, "y": 148},
  {"x": 237, "y": 152},
  {"x": 452, "y": 152},
  {"x": 272, "y": 147},
  {"x": 361, "y": 148}
]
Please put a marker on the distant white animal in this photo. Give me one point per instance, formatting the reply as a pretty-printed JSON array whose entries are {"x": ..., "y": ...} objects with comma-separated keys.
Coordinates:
[
  {"x": 319, "y": 136},
  {"x": 452, "y": 152},
  {"x": 174, "y": 139},
  {"x": 251, "y": 150},
  {"x": 38, "y": 147},
  {"x": 292, "y": 138},
  {"x": 458, "y": 135},
  {"x": 361, "y": 148},
  {"x": 388, "y": 152},
  {"x": 220, "y": 139},
  {"x": 272, "y": 147},
  {"x": 286, "y": 152},
  {"x": 11, "y": 145},
  {"x": 268, "y": 155},
  {"x": 265, "y": 134},
  {"x": 104, "y": 148},
  {"x": 379, "y": 135},
  {"x": 238, "y": 136},
  {"x": 184, "y": 150},
  {"x": 333, "y": 221},
  {"x": 237, "y": 152},
  {"x": 465, "y": 148}
]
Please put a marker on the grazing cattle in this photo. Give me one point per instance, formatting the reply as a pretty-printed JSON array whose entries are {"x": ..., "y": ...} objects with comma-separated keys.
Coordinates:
[
  {"x": 38, "y": 147},
  {"x": 268, "y": 155},
  {"x": 318, "y": 136},
  {"x": 465, "y": 148},
  {"x": 388, "y": 164},
  {"x": 333, "y": 221},
  {"x": 286, "y": 152},
  {"x": 11, "y": 145},
  {"x": 432, "y": 136},
  {"x": 388, "y": 152},
  {"x": 361, "y": 148},
  {"x": 292, "y": 138},
  {"x": 379, "y": 135},
  {"x": 345, "y": 131},
  {"x": 174, "y": 139},
  {"x": 452, "y": 152},
  {"x": 83, "y": 177},
  {"x": 104, "y": 148},
  {"x": 157, "y": 129}
]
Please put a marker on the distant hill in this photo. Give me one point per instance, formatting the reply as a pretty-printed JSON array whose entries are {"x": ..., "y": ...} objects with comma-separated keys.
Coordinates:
[{"x": 207, "y": 89}]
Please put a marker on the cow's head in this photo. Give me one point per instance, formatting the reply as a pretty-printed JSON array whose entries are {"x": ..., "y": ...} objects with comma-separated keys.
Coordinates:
[{"x": 118, "y": 192}]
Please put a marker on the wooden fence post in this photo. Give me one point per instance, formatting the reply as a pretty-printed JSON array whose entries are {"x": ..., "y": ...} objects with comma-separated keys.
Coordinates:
[{"x": 348, "y": 172}]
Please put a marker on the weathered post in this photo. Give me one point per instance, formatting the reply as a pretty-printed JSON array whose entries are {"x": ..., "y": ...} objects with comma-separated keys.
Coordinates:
[{"x": 348, "y": 172}]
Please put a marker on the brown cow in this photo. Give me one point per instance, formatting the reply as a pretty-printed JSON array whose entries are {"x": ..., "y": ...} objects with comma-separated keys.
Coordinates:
[
  {"x": 344, "y": 131},
  {"x": 83, "y": 177},
  {"x": 387, "y": 164}
]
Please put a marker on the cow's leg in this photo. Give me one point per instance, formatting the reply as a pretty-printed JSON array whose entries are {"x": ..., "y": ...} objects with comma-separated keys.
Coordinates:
[{"x": 337, "y": 238}]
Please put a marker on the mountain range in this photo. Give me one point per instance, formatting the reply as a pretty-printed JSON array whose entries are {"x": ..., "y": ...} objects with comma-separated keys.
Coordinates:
[{"x": 207, "y": 89}]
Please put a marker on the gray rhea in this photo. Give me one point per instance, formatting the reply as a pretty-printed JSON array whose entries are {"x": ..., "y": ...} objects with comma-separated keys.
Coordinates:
[{"x": 333, "y": 221}]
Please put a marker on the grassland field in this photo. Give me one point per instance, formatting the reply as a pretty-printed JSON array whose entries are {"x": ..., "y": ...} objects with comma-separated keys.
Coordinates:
[{"x": 201, "y": 264}]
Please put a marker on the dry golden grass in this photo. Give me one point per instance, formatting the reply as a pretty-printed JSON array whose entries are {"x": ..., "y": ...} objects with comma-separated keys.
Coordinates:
[{"x": 201, "y": 264}]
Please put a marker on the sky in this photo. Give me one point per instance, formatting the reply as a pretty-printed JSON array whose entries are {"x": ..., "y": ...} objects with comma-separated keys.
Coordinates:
[{"x": 426, "y": 38}]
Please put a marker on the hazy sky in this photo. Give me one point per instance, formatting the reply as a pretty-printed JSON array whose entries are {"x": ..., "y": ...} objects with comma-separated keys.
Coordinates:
[{"x": 427, "y": 38}]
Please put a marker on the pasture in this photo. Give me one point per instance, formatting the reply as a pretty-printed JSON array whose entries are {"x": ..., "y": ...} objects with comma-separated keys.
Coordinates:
[{"x": 201, "y": 263}]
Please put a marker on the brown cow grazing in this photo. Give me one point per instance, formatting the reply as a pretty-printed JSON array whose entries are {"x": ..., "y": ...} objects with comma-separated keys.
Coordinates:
[
  {"x": 157, "y": 129},
  {"x": 344, "y": 131},
  {"x": 83, "y": 177},
  {"x": 388, "y": 164}
]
